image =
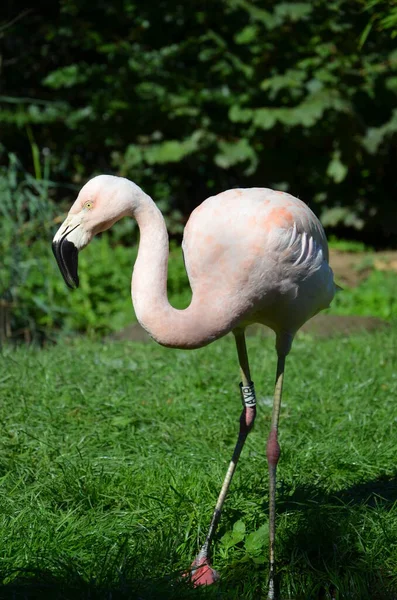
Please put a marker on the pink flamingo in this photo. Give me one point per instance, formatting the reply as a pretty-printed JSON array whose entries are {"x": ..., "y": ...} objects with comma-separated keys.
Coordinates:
[{"x": 252, "y": 256}]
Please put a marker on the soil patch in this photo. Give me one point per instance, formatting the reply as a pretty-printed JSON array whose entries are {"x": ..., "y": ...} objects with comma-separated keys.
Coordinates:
[
  {"x": 321, "y": 325},
  {"x": 350, "y": 269}
]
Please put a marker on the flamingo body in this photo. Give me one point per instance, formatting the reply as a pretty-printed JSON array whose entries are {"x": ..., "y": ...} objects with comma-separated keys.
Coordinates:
[
  {"x": 260, "y": 256},
  {"x": 252, "y": 255}
]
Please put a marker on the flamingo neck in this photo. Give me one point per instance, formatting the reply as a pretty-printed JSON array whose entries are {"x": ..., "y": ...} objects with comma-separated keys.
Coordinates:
[{"x": 192, "y": 327}]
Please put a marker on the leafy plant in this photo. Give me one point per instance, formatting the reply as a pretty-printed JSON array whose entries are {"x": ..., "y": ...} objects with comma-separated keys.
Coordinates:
[
  {"x": 34, "y": 301},
  {"x": 188, "y": 100},
  {"x": 26, "y": 214},
  {"x": 253, "y": 545},
  {"x": 383, "y": 17}
]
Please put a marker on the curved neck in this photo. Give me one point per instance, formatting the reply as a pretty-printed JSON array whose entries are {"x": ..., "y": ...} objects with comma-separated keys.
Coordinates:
[{"x": 193, "y": 327}]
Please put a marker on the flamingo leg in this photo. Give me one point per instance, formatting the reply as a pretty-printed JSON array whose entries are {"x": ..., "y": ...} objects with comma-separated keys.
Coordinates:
[
  {"x": 201, "y": 571},
  {"x": 273, "y": 454}
]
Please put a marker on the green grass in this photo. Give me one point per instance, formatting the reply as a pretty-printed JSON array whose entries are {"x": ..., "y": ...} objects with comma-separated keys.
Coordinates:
[
  {"x": 112, "y": 456},
  {"x": 347, "y": 245},
  {"x": 375, "y": 296}
]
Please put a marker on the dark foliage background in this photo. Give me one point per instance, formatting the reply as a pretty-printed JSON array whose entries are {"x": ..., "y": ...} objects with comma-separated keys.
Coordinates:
[{"x": 189, "y": 98}]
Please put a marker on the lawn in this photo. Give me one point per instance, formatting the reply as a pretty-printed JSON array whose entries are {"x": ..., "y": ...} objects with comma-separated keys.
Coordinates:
[{"x": 112, "y": 456}]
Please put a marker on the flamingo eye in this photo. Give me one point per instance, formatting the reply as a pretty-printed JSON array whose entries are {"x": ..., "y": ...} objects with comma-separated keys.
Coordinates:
[{"x": 88, "y": 205}]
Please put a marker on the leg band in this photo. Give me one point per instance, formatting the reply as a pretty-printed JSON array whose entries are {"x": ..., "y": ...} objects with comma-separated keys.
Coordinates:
[{"x": 248, "y": 395}]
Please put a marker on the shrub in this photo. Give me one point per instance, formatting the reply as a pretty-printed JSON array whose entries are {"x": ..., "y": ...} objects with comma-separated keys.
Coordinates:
[
  {"x": 192, "y": 98},
  {"x": 35, "y": 302}
]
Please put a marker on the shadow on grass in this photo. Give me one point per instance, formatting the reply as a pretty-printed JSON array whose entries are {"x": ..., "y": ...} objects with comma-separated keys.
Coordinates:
[
  {"x": 325, "y": 556},
  {"x": 340, "y": 537},
  {"x": 378, "y": 492},
  {"x": 41, "y": 585}
]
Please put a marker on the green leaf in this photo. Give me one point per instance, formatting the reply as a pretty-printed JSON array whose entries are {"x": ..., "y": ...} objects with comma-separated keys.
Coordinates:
[
  {"x": 269, "y": 20},
  {"x": 234, "y": 537},
  {"x": 232, "y": 153},
  {"x": 376, "y": 135},
  {"x": 393, "y": 58},
  {"x": 260, "y": 559},
  {"x": 336, "y": 170},
  {"x": 239, "y": 529},
  {"x": 265, "y": 118},
  {"x": 246, "y": 35},
  {"x": 341, "y": 215},
  {"x": 173, "y": 150},
  {"x": 391, "y": 84},
  {"x": 240, "y": 115},
  {"x": 295, "y": 11},
  {"x": 75, "y": 117},
  {"x": 291, "y": 79},
  {"x": 65, "y": 77},
  {"x": 257, "y": 540},
  {"x": 306, "y": 114}
]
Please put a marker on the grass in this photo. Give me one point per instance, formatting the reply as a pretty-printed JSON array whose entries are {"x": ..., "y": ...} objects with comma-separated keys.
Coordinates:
[
  {"x": 347, "y": 245},
  {"x": 375, "y": 296},
  {"x": 112, "y": 456}
]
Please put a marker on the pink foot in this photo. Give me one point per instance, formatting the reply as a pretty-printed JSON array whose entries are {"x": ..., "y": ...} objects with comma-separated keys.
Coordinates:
[{"x": 202, "y": 573}]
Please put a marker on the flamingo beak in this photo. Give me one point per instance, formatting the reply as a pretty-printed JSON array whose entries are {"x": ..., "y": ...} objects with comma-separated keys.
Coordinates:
[{"x": 66, "y": 254}]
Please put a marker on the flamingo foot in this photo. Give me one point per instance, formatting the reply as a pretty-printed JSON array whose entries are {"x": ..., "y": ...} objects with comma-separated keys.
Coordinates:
[{"x": 202, "y": 573}]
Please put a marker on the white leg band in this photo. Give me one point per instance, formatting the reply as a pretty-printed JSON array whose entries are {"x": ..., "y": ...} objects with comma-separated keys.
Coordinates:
[{"x": 248, "y": 394}]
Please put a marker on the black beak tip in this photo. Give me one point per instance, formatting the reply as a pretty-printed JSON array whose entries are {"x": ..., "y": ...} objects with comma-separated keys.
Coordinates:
[
  {"x": 73, "y": 285},
  {"x": 66, "y": 255}
]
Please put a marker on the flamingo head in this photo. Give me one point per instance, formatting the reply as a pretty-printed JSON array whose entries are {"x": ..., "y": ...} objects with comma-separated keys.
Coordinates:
[{"x": 101, "y": 202}]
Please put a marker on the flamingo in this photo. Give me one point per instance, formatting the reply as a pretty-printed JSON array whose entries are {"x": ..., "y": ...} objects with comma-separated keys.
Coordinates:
[{"x": 252, "y": 256}]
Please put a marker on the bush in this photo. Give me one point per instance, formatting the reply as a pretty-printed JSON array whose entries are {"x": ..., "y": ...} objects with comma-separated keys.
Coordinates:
[
  {"x": 27, "y": 216},
  {"x": 191, "y": 98},
  {"x": 35, "y": 302}
]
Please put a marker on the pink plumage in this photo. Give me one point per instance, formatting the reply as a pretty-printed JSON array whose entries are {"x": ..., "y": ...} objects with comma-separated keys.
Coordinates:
[{"x": 252, "y": 256}]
